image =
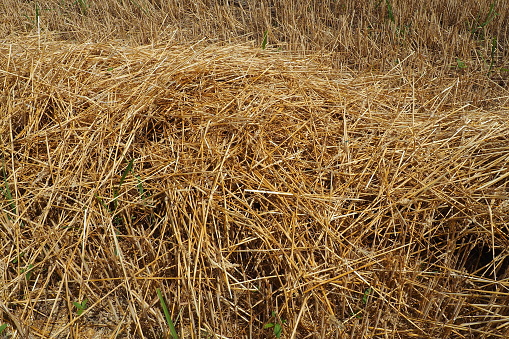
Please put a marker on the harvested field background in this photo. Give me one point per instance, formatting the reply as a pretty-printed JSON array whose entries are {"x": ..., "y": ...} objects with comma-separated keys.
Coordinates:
[{"x": 329, "y": 193}]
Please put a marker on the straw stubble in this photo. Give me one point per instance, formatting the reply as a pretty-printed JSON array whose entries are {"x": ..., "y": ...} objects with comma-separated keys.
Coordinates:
[{"x": 351, "y": 205}]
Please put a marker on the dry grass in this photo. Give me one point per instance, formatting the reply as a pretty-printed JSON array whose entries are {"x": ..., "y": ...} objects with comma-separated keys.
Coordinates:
[
  {"x": 250, "y": 186},
  {"x": 357, "y": 34}
]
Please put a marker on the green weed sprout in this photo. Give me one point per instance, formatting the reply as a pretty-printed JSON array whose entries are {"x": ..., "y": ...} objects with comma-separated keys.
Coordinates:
[
  {"x": 494, "y": 45},
  {"x": 27, "y": 271},
  {"x": 265, "y": 39},
  {"x": 277, "y": 326},
  {"x": 80, "y": 307},
  {"x": 460, "y": 64},
  {"x": 173, "y": 332},
  {"x": 477, "y": 27},
  {"x": 83, "y": 6},
  {"x": 390, "y": 12},
  {"x": 365, "y": 296},
  {"x": 116, "y": 192},
  {"x": 122, "y": 179}
]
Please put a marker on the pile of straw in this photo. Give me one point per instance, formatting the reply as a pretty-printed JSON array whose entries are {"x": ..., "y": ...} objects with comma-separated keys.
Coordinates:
[{"x": 252, "y": 188}]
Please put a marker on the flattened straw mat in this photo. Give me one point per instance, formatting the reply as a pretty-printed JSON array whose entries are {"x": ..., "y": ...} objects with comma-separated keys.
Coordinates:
[{"x": 252, "y": 188}]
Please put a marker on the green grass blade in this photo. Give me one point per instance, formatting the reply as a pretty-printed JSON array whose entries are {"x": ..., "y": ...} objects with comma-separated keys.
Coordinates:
[
  {"x": 103, "y": 204},
  {"x": 8, "y": 197},
  {"x": 365, "y": 297},
  {"x": 173, "y": 332},
  {"x": 139, "y": 185},
  {"x": 265, "y": 39},
  {"x": 126, "y": 171},
  {"x": 116, "y": 191},
  {"x": 494, "y": 45},
  {"x": 491, "y": 15},
  {"x": 390, "y": 12},
  {"x": 83, "y": 6}
]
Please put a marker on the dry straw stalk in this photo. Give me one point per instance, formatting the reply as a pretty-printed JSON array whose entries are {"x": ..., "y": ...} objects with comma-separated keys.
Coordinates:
[
  {"x": 348, "y": 180},
  {"x": 242, "y": 183}
]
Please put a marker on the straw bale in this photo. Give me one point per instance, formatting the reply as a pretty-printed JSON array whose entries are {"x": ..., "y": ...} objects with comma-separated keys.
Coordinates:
[{"x": 243, "y": 182}]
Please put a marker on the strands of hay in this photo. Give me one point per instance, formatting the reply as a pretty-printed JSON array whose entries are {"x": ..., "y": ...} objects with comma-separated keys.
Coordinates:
[
  {"x": 458, "y": 35},
  {"x": 251, "y": 188}
]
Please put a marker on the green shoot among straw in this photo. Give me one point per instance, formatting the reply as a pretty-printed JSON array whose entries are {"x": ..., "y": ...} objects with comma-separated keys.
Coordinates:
[
  {"x": 366, "y": 294},
  {"x": 390, "y": 12},
  {"x": 80, "y": 307},
  {"x": 83, "y": 6},
  {"x": 477, "y": 27},
  {"x": 265, "y": 39},
  {"x": 27, "y": 271},
  {"x": 116, "y": 193},
  {"x": 173, "y": 332},
  {"x": 494, "y": 46},
  {"x": 460, "y": 64},
  {"x": 122, "y": 179},
  {"x": 277, "y": 326}
]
